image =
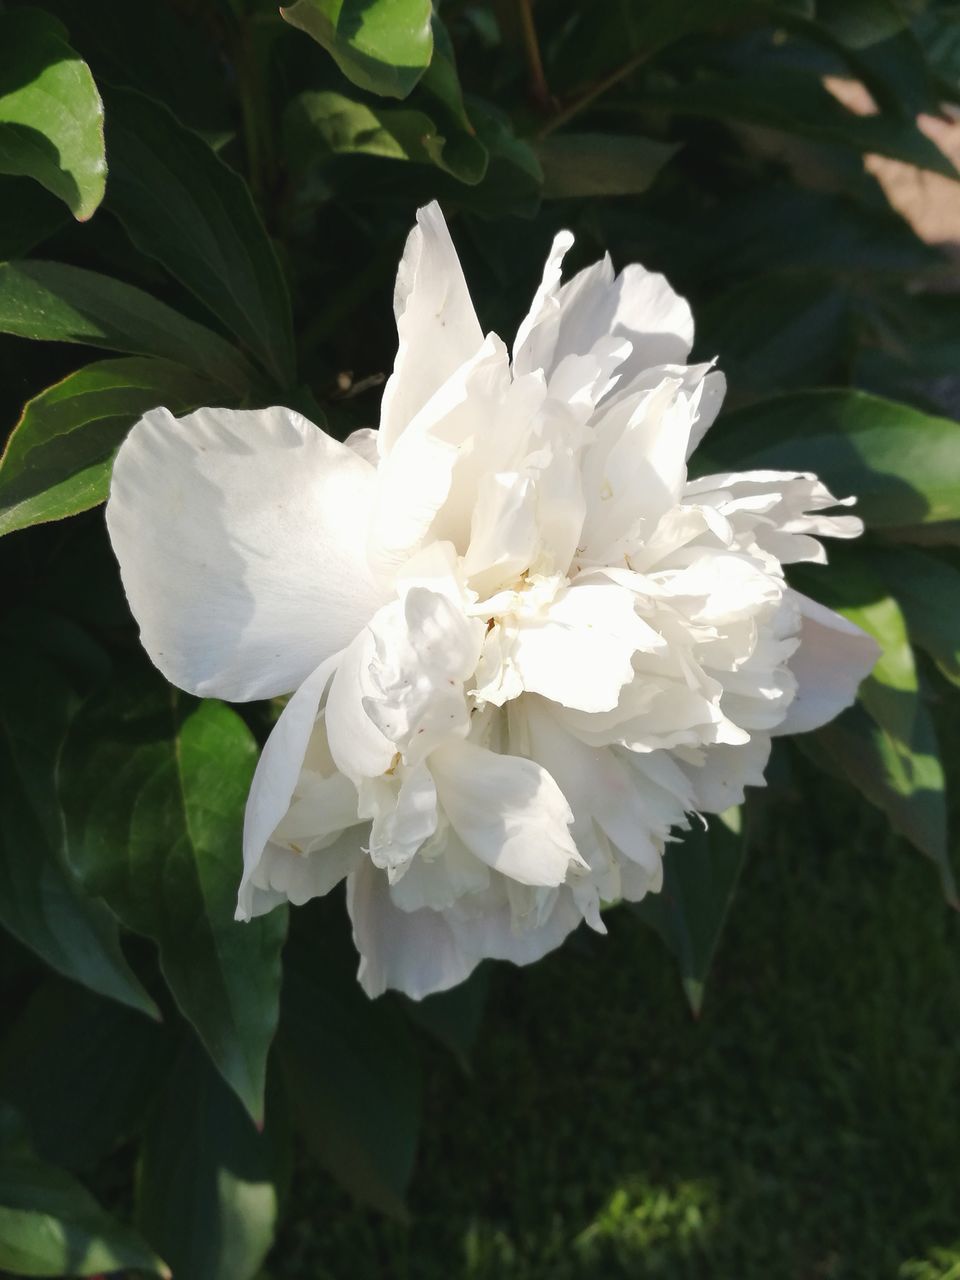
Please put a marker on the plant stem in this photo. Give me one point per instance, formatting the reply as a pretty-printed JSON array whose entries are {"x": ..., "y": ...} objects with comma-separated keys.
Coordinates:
[
  {"x": 539, "y": 88},
  {"x": 591, "y": 94}
]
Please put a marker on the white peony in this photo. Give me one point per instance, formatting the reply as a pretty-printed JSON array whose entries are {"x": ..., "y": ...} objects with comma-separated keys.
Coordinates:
[{"x": 524, "y": 648}]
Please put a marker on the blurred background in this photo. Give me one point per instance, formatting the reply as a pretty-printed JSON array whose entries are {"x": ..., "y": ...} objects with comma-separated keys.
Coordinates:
[{"x": 759, "y": 1073}]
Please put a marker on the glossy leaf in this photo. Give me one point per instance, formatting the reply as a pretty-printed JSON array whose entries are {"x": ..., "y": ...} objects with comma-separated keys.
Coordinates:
[
  {"x": 905, "y": 784},
  {"x": 53, "y": 302},
  {"x": 41, "y": 902},
  {"x": 927, "y": 589},
  {"x": 699, "y": 880},
  {"x": 796, "y": 102},
  {"x": 58, "y": 458},
  {"x": 205, "y": 1192},
  {"x": 180, "y": 204},
  {"x": 328, "y": 123},
  {"x": 381, "y": 45},
  {"x": 887, "y": 744},
  {"x": 82, "y": 1071},
  {"x": 51, "y": 116},
  {"x": 348, "y": 1064},
  {"x": 903, "y": 465},
  {"x": 50, "y": 1225},
  {"x": 153, "y": 790},
  {"x": 598, "y": 164}
]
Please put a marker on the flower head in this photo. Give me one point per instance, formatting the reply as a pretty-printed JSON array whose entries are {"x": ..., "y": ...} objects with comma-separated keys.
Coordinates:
[{"x": 523, "y": 647}]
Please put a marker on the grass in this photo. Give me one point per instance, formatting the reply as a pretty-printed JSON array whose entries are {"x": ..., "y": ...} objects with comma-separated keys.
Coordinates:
[{"x": 806, "y": 1128}]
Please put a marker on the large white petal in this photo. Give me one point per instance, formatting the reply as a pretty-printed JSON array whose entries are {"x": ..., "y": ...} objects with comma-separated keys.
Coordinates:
[
  {"x": 415, "y": 952},
  {"x": 508, "y": 812},
  {"x": 833, "y": 657},
  {"x": 358, "y": 747},
  {"x": 436, "y": 323},
  {"x": 240, "y": 537},
  {"x": 274, "y": 783}
]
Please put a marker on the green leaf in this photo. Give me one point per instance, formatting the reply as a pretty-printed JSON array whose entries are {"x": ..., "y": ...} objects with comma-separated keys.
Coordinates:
[
  {"x": 153, "y": 790},
  {"x": 861, "y": 23},
  {"x": 454, "y": 1017},
  {"x": 600, "y": 164},
  {"x": 466, "y": 156},
  {"x": 381, "y": 45},
  {"x": 51, "y": 116},
  {"x": 902, "y": 465},
  {"x": 51, "y": 1226},
  {"x": 205, "y": 1192},
  {"x": 53, "y": 302},
  {"x": 904, "y": 782},
  {"x": 330, "y": 123},
  {"x": 41, "y": 902},
  {"x": 888, "y": 745},
  {"x": 59, "y": 455},
  {"x": 928, "y": 591},
  {"x": 180, "y": 204},
  {"x": 796, "y": 102},
  {"x": 348, "y": 1063},
  {"x": 699, "y": 880},
  {"x": 28, "y": 214},
  {"x": 79, "y": 1101}
]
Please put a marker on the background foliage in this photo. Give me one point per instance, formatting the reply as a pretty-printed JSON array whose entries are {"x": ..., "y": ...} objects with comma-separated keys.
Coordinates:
[{"x": 203, "y": 202}]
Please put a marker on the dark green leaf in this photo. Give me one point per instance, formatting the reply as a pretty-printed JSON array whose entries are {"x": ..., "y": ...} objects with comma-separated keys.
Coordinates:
[
  {"x": 599, "y": 164},
  {"x": 699, "y": 880},
  {"x": 796, "y": 102},
  {"x": 381, "y": 45},
  {"x": 53, "y": 302},
  {"x": 902, "y": 465},
  {"x": 454, "y": 1017},
  {"x": 348, "y": 1063},
  {"x": 58, "y": 457},
  {"x": 861, "y": 23},
  {"x": 82, "y": 1071},
  {"x": 318, "y": 123},
  {"x": 928, "y": 591},
  {"x": 153, "y": 793},
  {"x": 205, "y": 1192},
  {"x": 465, "y": 154},
  {"x": 41, "y": 902},
  {"x": 51, "y": 116},
  {"x": 51, "y": 1226},
  {"x": 180, "y": 204},
  {"x": 887, "y": 745},
  {"x": 28, "y": 214},
  {"x": 904, "y": 783}
]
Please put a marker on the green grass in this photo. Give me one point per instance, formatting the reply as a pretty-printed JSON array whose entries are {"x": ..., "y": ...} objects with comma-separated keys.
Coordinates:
[{"x": 807, "y": 1128}]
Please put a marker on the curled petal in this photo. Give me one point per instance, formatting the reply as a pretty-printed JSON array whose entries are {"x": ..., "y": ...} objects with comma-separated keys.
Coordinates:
[
  {"x": 507, "y": 811},
  {"x": 240, "y": 538},
  {"x": 833, "y": 657},
  {"x": 436, "y": 322}
]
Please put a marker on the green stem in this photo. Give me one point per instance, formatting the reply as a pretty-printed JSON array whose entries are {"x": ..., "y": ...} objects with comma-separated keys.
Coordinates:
[
  {"x": 590, "y": 95},
  {"x": 539, "y": 88}
]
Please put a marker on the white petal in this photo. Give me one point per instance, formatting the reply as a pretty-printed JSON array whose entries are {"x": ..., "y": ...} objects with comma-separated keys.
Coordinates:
[
  {"x": 599, "y": 788},
  {"x": 403, "y": 819},
  {"x": 578, "y": 650},
  {"x": 358, "y": 747},
  {"x": 442, "y": 879},
  {"x": 275, "y": 781},
  {"x": 285, "y": 876},
  {"x": 508, "y": 812},
  {"x": 414, "y": 480},
  {"x": 719, "y": 774},
  {"x": 491, "y": 933},
  {"x": 504, "y": 534},
  {"x": 834, "y": 656},
  {"x": 240, "y": 539},
  {"x": 436, "y": 323},
  {"x": 638, "y": 306},
  {"x": 415, "y": 952}
]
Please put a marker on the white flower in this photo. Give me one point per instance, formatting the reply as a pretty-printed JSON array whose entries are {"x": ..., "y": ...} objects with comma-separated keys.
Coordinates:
[{"x": 524, "y": 648}]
